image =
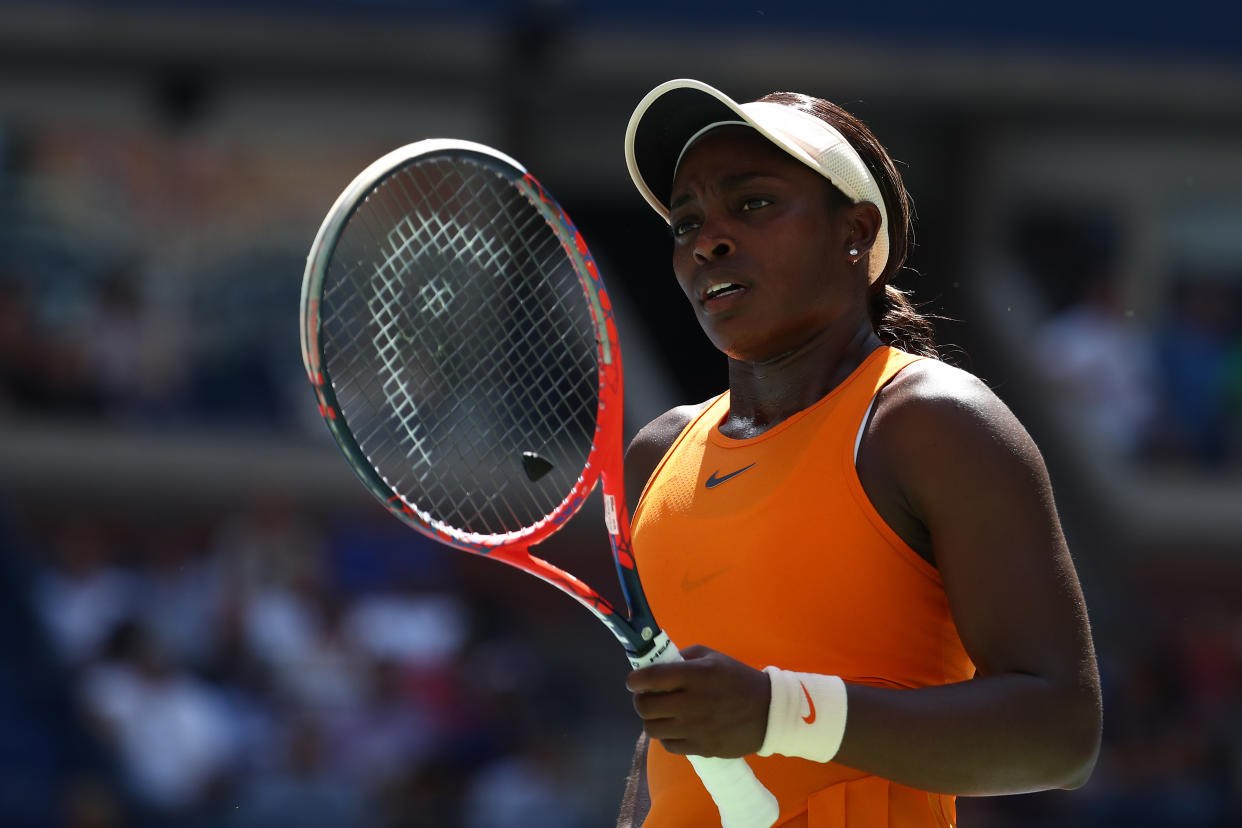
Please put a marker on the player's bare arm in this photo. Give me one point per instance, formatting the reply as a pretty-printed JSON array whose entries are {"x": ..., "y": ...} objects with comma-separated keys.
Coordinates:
[{"x": 968, "y": 472}]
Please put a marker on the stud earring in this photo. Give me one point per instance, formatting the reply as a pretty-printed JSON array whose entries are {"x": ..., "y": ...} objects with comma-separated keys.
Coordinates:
[{"x": 853, "y": 251}]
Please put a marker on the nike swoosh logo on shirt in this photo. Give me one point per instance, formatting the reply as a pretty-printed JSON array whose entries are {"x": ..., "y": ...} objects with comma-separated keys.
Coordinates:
[
  {"x": 713, "y": 481},
  {"x": 688, "y": 583},
  {"x": 809, "y": 718}
]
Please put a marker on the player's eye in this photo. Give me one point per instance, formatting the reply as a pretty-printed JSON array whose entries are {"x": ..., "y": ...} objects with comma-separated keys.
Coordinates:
[
  {"x": 755, "y": 203},
  {"x": 681, "y": 227}
]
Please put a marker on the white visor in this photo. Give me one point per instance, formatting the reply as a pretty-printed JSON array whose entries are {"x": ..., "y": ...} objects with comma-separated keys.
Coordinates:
[{"x": 675, "y": 114}]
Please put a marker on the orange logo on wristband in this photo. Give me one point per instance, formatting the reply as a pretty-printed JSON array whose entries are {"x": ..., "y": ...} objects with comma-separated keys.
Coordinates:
[{"x": 809, "y": 718}]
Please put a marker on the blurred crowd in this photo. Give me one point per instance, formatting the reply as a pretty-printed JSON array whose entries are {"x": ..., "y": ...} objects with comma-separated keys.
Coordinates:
[
  {"x": 1167, "y": 394},
  {"x": 1160, "y": 386},
  {"x": 1162, "y": 392},
  {"x": 275, "y": 665},
  {"x": 267, "y": 670},
  {"x": 150, "y": 278},
  {"x": 106, "y": 354},
  {"x": 273, "y": 670}
]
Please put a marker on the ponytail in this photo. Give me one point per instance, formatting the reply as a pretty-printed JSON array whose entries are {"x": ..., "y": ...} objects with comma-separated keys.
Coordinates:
[{"x": 898, "y": 323}]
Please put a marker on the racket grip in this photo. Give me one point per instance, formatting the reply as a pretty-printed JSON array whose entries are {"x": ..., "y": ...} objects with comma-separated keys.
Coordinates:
[{"x": 741, "y": 798}]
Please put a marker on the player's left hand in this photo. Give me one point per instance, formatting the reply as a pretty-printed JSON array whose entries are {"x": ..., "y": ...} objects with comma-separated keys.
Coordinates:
[{"x": 707, "y": 705}]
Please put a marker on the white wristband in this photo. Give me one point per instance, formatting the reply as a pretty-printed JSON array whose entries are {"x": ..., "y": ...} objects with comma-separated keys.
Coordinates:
[{"x": 806, "y": 717}]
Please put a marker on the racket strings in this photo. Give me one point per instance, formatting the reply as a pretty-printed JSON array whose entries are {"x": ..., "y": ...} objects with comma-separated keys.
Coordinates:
[
  {"x": 488, "y": 256},
  {"x": 457, "y": 337},
  {"x": 453, "y": 371}
]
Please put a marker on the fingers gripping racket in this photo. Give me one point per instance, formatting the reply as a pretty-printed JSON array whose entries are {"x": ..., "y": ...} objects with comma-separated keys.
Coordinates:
[{"x": 464, "y": 354}]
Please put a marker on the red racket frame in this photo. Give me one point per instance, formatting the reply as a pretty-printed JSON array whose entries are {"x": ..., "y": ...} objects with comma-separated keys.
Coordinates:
[{"x": 637, "y": 629}]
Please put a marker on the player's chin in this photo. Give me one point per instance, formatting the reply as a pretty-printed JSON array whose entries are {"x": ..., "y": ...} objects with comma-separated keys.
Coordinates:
[
  {"x": 732, "y": 337},
  {"x": 743, "y": 348},
  {"x": 748, "y": 337}
]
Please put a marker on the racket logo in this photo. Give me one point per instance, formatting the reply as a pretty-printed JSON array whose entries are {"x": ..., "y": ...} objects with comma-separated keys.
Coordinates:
[
  {"x": 435, "y": 297},
  {"x": 809, "y": 718},
  {"x": 713, "y": 481}
]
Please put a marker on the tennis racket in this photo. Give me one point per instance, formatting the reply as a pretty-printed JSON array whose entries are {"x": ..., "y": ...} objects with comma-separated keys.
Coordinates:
[{"x": 464, "y": 356}]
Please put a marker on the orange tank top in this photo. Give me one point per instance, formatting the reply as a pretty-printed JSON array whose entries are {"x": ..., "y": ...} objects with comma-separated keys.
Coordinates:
[{"x": 767, "y": 549}]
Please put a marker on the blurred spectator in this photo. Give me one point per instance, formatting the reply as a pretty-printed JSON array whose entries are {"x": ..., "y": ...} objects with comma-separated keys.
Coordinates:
[
  {"x": 17, "y": 345},
  {"x": 273, "y": 590},
  {"x": 171, "y": 731},
  {"x": 1196, "y": 345},
  {"x": 388, "y": 734},
  {"x": 49, "y": 768},
  {"x": 329, "y": 673},
  {"x": 182, "y": 596},
  {"x": 60, "y": 371},
  {"x": 1097, "y": 361},
  {"x": 90, "y": 802},
  {"x": 113, "y": 327},
  {"x": 268, "y": 543},
  {"x": 426, "y": 795},
  {"x": 521, "y": 790},
  {"x": 302, "y": 790},
  {"x": 1161, "y": 764},
  {"x": 369, "y": 550},
  {"x": 83, "y": 594},
  {"x": 1209, "y": 640},
  {"x": 283, "y": 624},
  {"x": 409, "y": 626}
]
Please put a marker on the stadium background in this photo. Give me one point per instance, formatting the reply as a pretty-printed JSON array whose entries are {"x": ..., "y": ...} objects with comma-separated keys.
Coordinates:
[{"x": 206, "y": 622}]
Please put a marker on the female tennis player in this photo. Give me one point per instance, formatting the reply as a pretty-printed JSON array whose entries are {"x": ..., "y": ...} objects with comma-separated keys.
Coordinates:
[{"x": 858, "y": 540}]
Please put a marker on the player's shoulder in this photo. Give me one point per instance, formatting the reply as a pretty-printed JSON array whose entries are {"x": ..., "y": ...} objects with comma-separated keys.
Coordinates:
[
  {"x": 932, "y": 404},
  {"x": 652, "y": 442},
  {"x": 927, "y": 385},
  {"x": 660, "y": 434}
]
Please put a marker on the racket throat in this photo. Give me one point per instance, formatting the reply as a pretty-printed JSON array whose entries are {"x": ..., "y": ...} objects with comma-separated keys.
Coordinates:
[{"x": 659, "y": 650}]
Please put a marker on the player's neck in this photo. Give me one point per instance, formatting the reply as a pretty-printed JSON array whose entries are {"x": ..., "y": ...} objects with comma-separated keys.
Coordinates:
[{"x": 762, "y": 394}]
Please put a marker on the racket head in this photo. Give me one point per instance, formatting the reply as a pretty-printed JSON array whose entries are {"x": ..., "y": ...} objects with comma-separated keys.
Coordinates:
[
  {"x": 362, "y": 384},
  {"x": 451, "y": 309}
]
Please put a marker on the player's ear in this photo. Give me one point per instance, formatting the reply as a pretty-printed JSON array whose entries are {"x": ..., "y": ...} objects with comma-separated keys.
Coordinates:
[{"x": 864, "y": 223}]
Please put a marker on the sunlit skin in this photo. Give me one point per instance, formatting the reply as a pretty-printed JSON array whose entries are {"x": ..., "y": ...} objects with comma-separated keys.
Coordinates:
[{"x": 794, "y": 323}]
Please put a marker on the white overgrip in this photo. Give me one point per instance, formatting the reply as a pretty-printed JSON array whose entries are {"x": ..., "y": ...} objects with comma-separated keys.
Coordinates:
[{"x": 740, "y": 797}]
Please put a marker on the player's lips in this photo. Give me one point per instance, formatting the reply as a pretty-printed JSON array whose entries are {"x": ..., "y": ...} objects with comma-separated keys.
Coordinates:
[{"x": 720, "y": 292}]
